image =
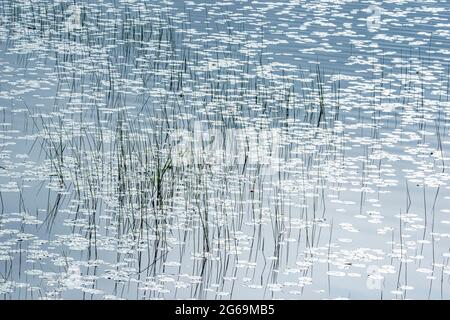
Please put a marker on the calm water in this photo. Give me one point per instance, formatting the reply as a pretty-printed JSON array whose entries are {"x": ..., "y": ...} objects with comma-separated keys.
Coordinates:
[{"x": 252, "y": 149}]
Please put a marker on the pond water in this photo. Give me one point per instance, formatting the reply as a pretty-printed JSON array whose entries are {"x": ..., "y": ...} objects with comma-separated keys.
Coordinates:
[{"x": 242, "y": 150}]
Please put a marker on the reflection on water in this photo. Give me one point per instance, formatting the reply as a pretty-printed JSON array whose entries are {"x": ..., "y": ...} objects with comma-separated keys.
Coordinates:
[{"x": 248, "y": 149}]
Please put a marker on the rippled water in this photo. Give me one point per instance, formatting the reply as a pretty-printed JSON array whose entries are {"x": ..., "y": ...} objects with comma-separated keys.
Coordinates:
[{"x": 248, "y": 149}]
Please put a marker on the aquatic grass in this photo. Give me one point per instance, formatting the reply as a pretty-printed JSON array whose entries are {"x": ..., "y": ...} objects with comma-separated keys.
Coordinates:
[{"x": 189, "y": 163}]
